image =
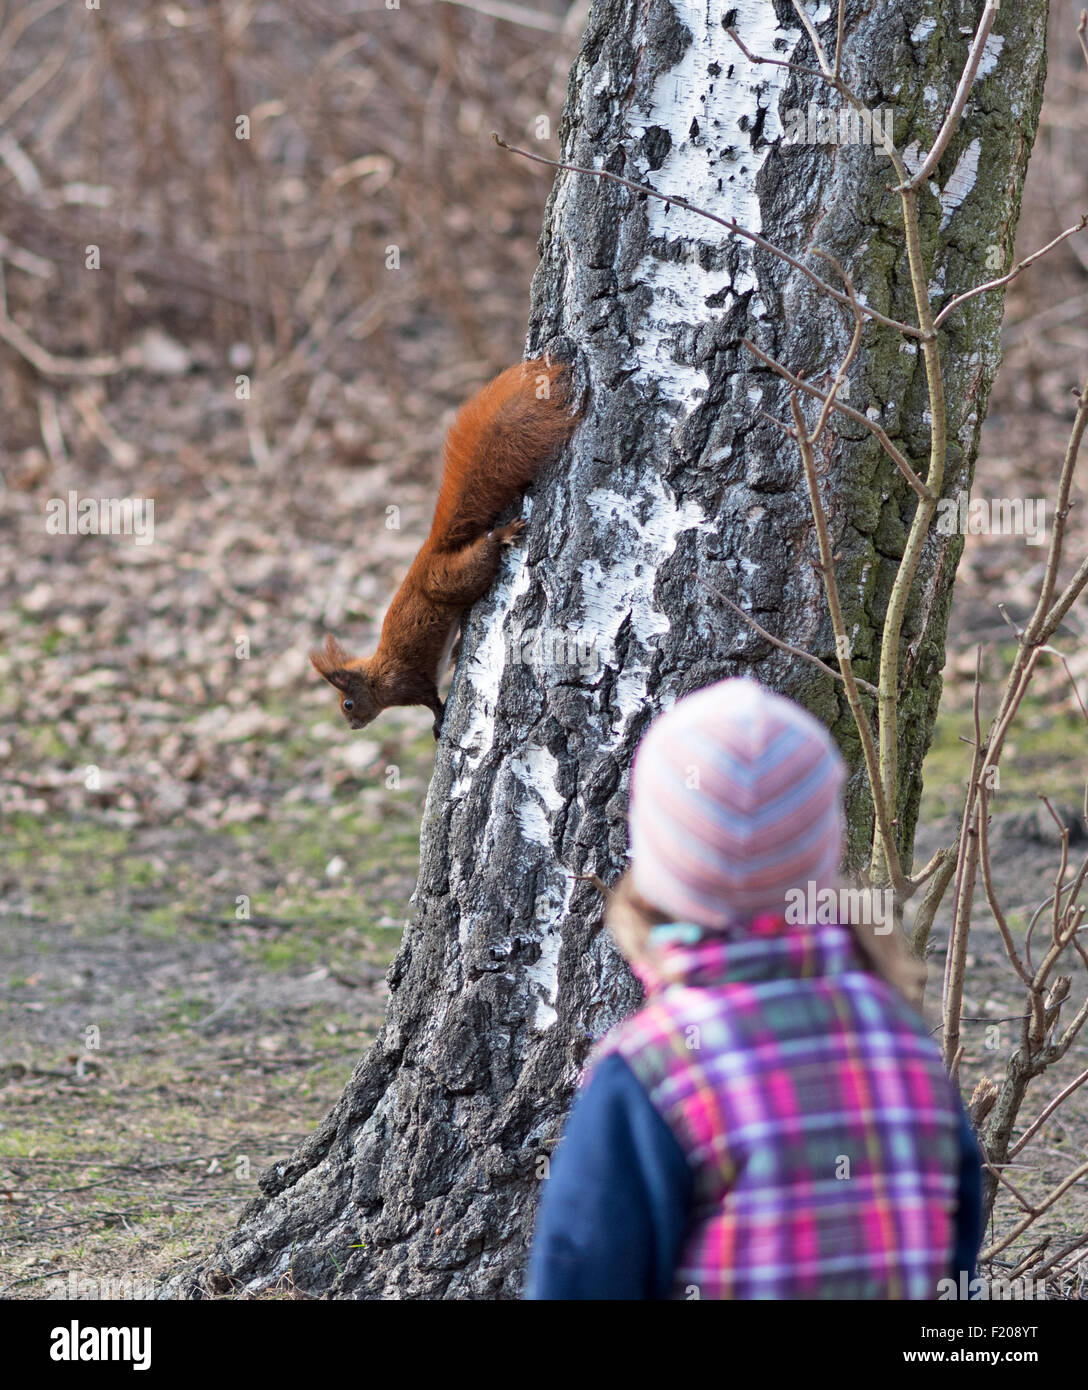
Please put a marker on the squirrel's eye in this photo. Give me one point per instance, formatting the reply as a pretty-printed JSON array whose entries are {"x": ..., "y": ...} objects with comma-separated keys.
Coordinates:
[{"x": 349, "y": 704}]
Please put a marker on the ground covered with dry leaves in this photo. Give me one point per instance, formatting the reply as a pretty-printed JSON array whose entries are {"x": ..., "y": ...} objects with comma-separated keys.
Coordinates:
[{"x": 189, "y": 970}]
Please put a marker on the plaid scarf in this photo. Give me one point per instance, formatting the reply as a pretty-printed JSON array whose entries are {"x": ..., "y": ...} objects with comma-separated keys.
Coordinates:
[{"x": 814, "y": 1111}]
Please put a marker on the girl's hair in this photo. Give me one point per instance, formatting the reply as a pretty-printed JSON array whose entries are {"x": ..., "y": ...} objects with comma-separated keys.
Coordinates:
[{"x": 631, "y": 919}]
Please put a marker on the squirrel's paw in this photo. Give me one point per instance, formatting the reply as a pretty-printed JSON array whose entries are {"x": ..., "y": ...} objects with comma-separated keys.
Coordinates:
[{"x": 511, "y": 533}]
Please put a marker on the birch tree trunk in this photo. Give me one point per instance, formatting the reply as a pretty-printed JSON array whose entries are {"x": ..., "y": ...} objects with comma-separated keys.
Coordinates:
[{"x": 422, "y": 1181}]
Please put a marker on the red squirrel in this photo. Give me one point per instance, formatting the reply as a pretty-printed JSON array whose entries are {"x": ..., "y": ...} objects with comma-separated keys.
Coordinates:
[{"x": 495, "y": 447}]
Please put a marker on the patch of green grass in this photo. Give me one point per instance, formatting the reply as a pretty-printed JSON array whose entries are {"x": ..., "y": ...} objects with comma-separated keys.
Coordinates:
[
  {"x": 47, "y": 1142},
  {"x": 183, "y": 1007},
  {"x": 288, "y": 952},
  {"x": 142, "y": 872},
  {"x": 171, "y": 1089},
  {"x": 1046, "y": 752}
]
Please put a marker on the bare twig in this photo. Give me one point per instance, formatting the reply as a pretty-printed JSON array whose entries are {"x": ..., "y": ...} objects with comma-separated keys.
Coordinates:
[
  {"x": 799, "y": 68},
  {"x": 727, "y": 222},
  {"x": 875, "y": 132},
  {"x": 1034, "y": 1213},
  {"x": 959, "y": 101},
  {"x": 786, "y": 646},
  {"x": 991, "y": 896},
  {"x": 967, "y": 846},
  {"x": 1017, "y": 269},
  {"x": 851, "y": 351},
  {"x": 514, "y": 14},
  {"x": 874, "y": 429},
  {"x": 1046, "y": 1113},
  {"x": 931, "y": 901},
  {"x": 1040, "y": 628},
  {"x": 810, "y": 30},
  {"x": 40, "y": 358},
  {"x": 842, "y": 643}
]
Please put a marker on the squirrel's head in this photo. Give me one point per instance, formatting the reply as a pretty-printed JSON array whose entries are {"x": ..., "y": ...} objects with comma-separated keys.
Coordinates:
[{"x": 350, "y": 676}]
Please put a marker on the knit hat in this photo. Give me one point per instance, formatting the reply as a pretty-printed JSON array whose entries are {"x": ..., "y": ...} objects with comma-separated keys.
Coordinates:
[{"x": 735, "y": 798}]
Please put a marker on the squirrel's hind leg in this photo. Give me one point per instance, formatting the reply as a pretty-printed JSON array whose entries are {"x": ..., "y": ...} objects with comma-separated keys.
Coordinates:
[{"x": 463, "y": 576}]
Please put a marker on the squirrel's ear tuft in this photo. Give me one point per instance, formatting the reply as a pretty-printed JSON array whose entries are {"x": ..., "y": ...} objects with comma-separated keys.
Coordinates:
[{"x": 331, "y": 662}]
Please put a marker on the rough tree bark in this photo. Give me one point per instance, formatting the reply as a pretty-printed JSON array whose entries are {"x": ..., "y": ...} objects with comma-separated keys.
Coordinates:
[{"x": 421, "y": 1182}]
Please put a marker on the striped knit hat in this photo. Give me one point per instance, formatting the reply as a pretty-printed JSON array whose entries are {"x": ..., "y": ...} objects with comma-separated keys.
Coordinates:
[{"x": 735, "y": 798}]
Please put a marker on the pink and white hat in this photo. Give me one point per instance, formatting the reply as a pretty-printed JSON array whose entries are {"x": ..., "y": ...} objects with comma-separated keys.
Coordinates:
[{"x": 735, "y": 798}]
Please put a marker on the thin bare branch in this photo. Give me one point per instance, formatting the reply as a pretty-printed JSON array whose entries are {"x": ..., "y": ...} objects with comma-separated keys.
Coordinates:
[
  {"x": 988, "y": 883},
  {"x": 727, "y": 222},
  {"x": 921, "y": 522},
  {"x": 513, "y": 14},
  {"x": 1017, "y": 269},
  {"x": 842, "y": 643},
  {"x": 821, "y": 56},
  {"x": 875, "y": 132},
  {"x": 1076, "y": 1023},
  {"x": 874, "y": 429},
  {"x": 799, "y": 68},
  {"x": 995, "y": 1169},
  {"x": 785, "y": 646},
  {"x": 1046, "y": 1112},
  {"x": 851, "y": 351},
  {"x": 1037, "y": 629},
  {"x": 1035, "y": 1213},
  {"x": 963, "y": 893},
  {"x": 959, "y": 101},
  {"x": 40, "y": 358},
  {"x": 930, "y": 869},
  {"x": 931, "y": 901}
]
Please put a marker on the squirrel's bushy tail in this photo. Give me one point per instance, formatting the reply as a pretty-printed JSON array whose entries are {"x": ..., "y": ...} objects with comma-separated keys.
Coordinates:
[{"x": 497, "y": 445}]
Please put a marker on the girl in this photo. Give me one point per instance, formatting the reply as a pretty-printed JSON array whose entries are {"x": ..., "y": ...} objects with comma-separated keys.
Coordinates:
[{"x": 774, "y": 1122}]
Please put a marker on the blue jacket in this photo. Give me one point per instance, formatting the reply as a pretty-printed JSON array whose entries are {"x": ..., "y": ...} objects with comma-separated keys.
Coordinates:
[{"x": 616, "y": 1208}]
